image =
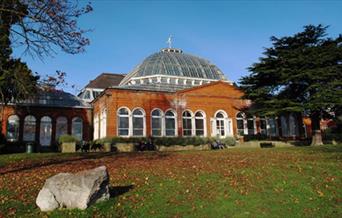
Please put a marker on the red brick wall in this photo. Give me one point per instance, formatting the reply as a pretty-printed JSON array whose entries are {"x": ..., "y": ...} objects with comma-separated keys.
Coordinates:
[
  {"x": 208, "y": 98},
  {"x": 53, "y": 113}
]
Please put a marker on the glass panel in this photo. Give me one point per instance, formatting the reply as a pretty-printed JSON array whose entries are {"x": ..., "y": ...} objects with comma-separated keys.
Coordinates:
[
  {"x": 169, "y": 114},
  {"x": 77, "y": 128},
  {"x": 220, "y": 127},
  {"x": 45, "y": 131},
  {"x": 219, "y": 115},
  {"x": 199, "y": 124},
  {"x": 138, "y": 112},
  {"x": 61, "y": 126},
  {"x": 186, "y": 114},
  {"x": 156, "y": 113},
  {"x": 170, "y": 126},
  {"x": 13, "y": 128},
  {"x": 250, "y": 126},
  {"x": 123, "y": 111},
  {"x": 29, "y": 128},
  {"x": 156, "y": 126},
  {"x": 138, "y": 126},
  {"x": 198, "y": 114},
  {"x": 187, "y": 127}
]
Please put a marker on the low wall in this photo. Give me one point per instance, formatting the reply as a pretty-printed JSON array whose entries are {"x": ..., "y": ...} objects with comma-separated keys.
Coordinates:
[
  {"x": 183, "y": 148},
  {"x": 256, "y": 144}
]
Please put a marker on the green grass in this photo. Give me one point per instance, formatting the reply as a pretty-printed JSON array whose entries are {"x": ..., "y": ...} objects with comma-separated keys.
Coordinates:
[{"x": 276, "y": 182}]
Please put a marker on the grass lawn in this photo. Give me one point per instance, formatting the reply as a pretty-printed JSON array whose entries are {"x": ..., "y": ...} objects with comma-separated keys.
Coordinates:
[{"x": 276, "y": 182}]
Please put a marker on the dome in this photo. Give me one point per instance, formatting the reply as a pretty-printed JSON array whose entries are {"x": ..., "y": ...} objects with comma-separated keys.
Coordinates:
[{"x": 173, "y": 69}]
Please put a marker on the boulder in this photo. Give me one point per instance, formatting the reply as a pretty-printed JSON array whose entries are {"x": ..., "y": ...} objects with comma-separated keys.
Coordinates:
[{"x": 74, "y": 190}]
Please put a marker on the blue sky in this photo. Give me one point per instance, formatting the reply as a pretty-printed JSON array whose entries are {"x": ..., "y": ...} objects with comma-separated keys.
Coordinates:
[{"x": 231, "y": 34}]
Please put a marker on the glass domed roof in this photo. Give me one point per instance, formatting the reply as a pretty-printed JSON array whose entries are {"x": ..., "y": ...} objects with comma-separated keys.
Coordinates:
[{"x": 173, "y": 62}]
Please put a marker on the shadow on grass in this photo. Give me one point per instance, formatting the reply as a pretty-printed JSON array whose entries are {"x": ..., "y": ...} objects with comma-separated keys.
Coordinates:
[
  {"x": 119, "y": 190},
  {"x": 70, "y": 159}
]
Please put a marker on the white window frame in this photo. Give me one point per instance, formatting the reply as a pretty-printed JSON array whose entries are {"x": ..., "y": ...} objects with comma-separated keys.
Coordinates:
[
  {"x": 192, "y": 121},
  {"x": 227, "y": 124},
  {"x": 129, "y": 121},
  {"x": 58, "y": 119},
  {"x": 204, "y": 119},
  {"x": 73, "y": 122},
  {"x": 30, "y": 121},
  {"x": 175, "y": 121},
  {"x": 138, "y": 116},
  {"x": 162, "y": 125},
  {"x": 103, "y": 123},
  {"x": 46, "y": 123}
]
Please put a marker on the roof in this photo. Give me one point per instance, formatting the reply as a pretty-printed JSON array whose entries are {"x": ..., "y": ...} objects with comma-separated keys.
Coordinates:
[
  {"x": 55, "y": 98},
  {"x": 173, "y": 62},
  {"x": 105, "y": 80}
]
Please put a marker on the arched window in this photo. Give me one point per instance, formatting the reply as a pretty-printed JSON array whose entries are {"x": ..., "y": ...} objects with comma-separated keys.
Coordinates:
[
  {"x": 199, "y": 123},
  {"x": 251, "y": 125},
  {"x": 170, "y": 123},
  {"x": 61, "y": 126},
  {"x": 77, "y": 128},
  {"x": 123, "y": 122},
  {"x": 220, "y": 121},
  {"x": 187, "y": 123},
  {"x": 96, "y": 126},
  {"x": 263, "y": 125},
  {"x": 156, "y": 122},
  {"x": 45, "y": 131},
  {"x": 240, "y": 123},
  {"x": 12, "y": 128},
  {"x": 138, "y": 122},
  {"x": 103, "y": 123},
  {"x": 29, "y": 128}
]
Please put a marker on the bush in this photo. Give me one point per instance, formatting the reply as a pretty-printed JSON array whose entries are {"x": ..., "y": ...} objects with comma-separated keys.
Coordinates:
[
  {"x": 67, "y": 139},
  {"x": 229, "y": 141}
]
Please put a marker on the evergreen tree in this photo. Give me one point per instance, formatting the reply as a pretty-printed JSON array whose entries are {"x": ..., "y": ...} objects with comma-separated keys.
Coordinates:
[{"x": 299, "y": 73}]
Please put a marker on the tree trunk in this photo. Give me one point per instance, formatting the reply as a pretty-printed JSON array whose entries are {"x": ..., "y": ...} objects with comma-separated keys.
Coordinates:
[{"x": 316, "y": 129}]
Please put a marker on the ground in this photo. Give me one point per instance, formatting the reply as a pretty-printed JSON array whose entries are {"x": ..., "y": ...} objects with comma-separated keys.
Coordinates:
[{"x": 273, "y": 182}]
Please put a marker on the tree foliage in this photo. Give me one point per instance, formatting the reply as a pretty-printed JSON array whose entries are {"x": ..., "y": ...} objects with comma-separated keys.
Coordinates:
[
  {"x": 41, "y": 26},
  {"x": 299, "y": 73}
]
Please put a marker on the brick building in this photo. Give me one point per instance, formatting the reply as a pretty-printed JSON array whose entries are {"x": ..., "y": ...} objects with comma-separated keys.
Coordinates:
[
  {"x": 176, "y": 94},
  {"x": 45, "y": 117},
  {"x": 170, "y": 93}
]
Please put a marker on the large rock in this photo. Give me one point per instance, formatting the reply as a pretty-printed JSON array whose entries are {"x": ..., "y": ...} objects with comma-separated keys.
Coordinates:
[{"x": 74, "y": 190}]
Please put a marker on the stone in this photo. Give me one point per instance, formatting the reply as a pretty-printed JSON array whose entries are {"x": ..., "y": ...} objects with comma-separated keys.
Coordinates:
[{"x": 80, "y": 190}]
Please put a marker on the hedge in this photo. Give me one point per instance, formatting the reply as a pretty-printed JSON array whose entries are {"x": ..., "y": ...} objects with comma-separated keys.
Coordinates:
[
  {"x": 67, "y": 138},
  {"x": 168, "y": 141}
]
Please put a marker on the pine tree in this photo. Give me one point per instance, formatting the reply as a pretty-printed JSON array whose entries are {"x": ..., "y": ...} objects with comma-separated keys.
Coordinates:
[{"x": 299, "y": 73}]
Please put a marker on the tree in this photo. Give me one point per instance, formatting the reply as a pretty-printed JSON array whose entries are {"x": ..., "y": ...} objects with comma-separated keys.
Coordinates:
[
  {"x": 41, "y": 26},
  {"x": 299, "y": 73}
]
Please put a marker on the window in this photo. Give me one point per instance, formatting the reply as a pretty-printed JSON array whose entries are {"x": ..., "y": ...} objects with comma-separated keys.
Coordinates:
[
  {"x": 220, "y": 130},
  {"x": 251, "y": 125},
  {"x": 29, "y": 128},
  {"x": 273, "y": 129},
  {"x": 45, "y": 131},
  {"x": 240, "y": 123},
  {"x": 87, "y": 95},
  {"x": 170, "y": 123},
  {"x": 199, "y": 124},
  {"x": 263, "y": 126},
  {"x": 61, "y": 126},
  {"x": 103, "y": 123},
  {"x": 96, "y": 126},
  {"x": 187, "y": 123},
  {"x": 123, "y": 122},
  {"x": 138, "y": 122},
  {"x": 77, "y": 128},
  {"x": 12, "y": 128},
  {"x": 156, "y": 122}
]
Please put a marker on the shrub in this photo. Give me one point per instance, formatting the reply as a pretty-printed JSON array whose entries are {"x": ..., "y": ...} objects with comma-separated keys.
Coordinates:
[
  {"x": 67, "y": 138},
  {"x": 229, "y": 141}
]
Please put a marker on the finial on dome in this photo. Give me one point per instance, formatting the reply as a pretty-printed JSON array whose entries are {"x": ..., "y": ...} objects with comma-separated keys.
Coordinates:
[{"x": 169, "y": 41}]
